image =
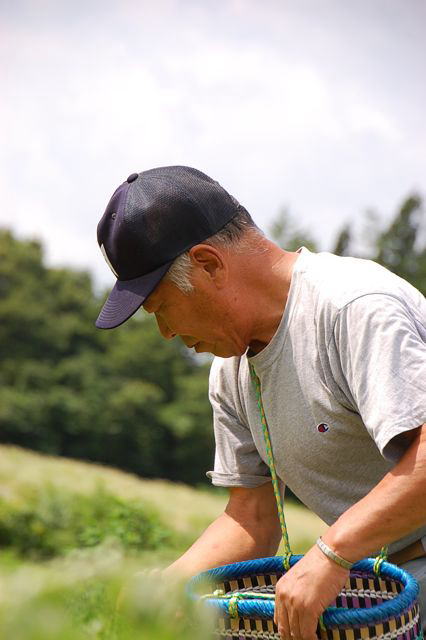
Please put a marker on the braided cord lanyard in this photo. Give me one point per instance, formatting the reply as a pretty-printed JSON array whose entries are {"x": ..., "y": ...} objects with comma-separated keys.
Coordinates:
[
  {"x": 287, "y": 551},
  {"x": 287, "y": 555}
]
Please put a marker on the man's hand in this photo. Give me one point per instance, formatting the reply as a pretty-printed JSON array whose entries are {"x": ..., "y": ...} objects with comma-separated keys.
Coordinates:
[{"x": 304, "y": 592}]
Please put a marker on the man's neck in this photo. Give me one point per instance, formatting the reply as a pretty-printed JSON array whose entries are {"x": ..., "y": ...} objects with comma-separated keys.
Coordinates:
[{"x": 271, "y": 288}]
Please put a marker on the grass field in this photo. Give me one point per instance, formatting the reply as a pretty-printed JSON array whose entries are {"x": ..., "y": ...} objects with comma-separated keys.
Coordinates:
[{"x": 73, "y": 533}]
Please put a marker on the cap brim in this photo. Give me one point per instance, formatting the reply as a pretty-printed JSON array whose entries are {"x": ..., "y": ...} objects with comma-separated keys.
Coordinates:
[{"x": 127, "y": 296}]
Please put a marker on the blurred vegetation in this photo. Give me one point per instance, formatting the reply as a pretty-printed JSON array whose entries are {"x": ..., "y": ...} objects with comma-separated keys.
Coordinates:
[
  {"x": 129, "y": 398},
  {"x": 51, "y": 505},
  {"x": 99, "y": 532},
  {"x": 399, "y": 245},
  {"x": 95, "y": 595},
  {"x": 53, "y": 521}
]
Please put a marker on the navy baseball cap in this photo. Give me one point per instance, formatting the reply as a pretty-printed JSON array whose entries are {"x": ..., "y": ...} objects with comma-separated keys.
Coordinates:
[{"x": 151, "y": 219}]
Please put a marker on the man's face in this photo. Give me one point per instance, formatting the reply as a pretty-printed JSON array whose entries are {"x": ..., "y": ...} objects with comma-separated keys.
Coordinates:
[{"x": 202, "y": 318}]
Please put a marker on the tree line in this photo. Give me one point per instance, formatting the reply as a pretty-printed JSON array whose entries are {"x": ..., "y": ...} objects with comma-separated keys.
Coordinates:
[{"x": 129, "y": 398}]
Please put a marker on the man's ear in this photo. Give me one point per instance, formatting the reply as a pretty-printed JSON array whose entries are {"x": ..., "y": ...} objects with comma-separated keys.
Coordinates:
[{"x": 209, "y": 262}]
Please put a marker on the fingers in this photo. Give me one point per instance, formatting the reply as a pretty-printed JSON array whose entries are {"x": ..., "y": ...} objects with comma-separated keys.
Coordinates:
[
  {"x": 308, "y": 627},
  {"x": 281, "y": 618},
  {"x": 294, "y": 618},
  {"x": 293, "y": 625},
  {"x": 304, "y": 592}
]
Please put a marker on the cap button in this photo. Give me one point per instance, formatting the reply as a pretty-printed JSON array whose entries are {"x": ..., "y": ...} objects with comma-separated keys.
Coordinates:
[{"x": 132, "y": 177}]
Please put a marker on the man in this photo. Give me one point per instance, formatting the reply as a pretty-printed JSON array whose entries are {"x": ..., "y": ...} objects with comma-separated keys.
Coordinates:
[{"x": 339, "y": 346}]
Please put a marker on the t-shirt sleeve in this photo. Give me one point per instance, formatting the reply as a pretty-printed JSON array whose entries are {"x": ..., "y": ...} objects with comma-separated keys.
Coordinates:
[
  {"x": 237, "y": 461},
  {"x": 381, "y": 351}
]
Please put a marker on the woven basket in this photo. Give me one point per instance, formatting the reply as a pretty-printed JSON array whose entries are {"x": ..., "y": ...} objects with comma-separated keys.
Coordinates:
[{"x": 380, "y": 607}]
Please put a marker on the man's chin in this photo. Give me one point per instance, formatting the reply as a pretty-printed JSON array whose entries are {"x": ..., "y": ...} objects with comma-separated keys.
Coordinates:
[
  {"x": 217, "y": 350},
  {"x": 205, "y": 347}
]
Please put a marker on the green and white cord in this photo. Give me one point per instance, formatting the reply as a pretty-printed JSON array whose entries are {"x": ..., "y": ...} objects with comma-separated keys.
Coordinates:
[{"x": 287, "y": 551}]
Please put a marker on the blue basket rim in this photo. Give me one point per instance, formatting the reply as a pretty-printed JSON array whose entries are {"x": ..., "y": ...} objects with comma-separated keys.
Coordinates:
[{"x": 333, "y": 616}]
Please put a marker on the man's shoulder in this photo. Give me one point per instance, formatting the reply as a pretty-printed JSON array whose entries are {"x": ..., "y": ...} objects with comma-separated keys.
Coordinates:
[
  {"x": 228, "y": 378},
  {"x": 225, "y": 369},
  {"x": 336, "y": 281}
]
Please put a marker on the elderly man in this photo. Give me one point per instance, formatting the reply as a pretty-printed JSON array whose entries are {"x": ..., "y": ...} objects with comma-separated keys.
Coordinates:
[{"x": 339, "y": 347}]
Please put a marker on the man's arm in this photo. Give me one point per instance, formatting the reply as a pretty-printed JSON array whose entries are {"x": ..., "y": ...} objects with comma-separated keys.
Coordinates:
[
  {"x": 248, "y": 528},
  {"x": 393, "y": 508}
]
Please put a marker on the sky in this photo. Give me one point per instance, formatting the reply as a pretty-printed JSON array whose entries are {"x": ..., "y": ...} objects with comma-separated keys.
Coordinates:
[{"x": 316, "y": 106}]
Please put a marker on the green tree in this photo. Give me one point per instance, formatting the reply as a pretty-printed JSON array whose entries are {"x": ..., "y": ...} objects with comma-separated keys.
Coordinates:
[
  {"x": 401, "y": 247},
  {"x": 343, "y": 242},
  {"x": 125, "y": 397},
  {"x": 286, "y": 233}
]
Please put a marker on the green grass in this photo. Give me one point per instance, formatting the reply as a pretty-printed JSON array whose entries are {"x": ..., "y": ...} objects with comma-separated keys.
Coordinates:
[{"x": 73, "y": 535}]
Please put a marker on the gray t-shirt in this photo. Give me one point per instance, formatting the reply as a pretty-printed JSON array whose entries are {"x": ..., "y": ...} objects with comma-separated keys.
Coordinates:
[{"x": 343, "y": 375}]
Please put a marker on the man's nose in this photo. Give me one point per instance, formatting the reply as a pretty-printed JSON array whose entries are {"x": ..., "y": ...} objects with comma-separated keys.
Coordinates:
[{"x": 165, "y": 331}]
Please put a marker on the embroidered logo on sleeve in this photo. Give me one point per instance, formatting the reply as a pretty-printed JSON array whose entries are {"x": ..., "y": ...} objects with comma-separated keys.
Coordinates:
[{"x": 323, "y": 427}]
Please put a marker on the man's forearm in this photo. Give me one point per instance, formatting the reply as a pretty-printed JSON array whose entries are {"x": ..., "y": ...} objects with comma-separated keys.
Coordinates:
[
  {"x": 226, "y": 541},
  {"x": 393, "y": 508}
]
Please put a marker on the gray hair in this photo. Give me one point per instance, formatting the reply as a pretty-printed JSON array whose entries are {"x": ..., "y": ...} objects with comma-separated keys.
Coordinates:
[{"x": 233, "y": 235}]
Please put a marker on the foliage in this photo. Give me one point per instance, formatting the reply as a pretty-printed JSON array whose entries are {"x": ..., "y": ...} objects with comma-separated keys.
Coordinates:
[
  {"x": 399, "y": 246},
  {"x": 27, "y": 477},
  {"x": 286, "y": 233},
  {"x": 402, "y": 246},
  {"x": 342, "y": 246},
  {"x": 68, "y": 388},
  {"x": 104, "y": 591},
  {"x": 51, "y": 521},
  {"x": 88, "y": 597}
]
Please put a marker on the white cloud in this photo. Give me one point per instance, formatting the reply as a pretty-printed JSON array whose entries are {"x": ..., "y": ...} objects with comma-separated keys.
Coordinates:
[
  {"x": 364, "y": 119},
  {"x": 322, "y": 111}
]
